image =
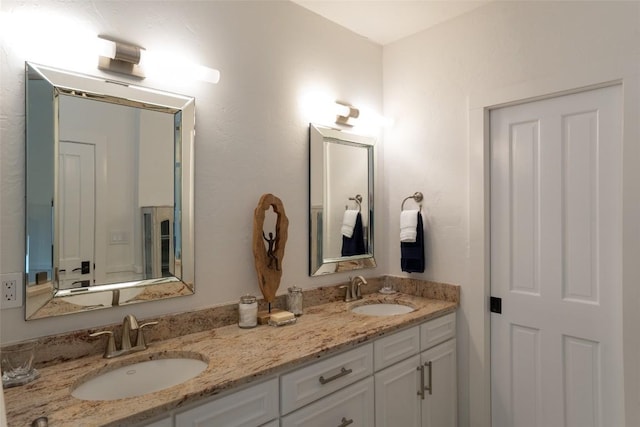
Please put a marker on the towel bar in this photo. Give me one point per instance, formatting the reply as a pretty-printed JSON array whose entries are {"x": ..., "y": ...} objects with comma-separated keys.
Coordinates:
[
  {"x": 358, "y": 200},
  {"x": 417, "y": 197}
]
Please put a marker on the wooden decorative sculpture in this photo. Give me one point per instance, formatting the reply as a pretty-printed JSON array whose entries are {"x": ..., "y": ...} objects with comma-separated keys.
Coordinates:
[{"x": 269, "y": 260}]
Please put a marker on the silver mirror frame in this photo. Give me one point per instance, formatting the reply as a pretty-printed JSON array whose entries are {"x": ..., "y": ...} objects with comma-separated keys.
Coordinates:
[
  {"x": 45, "y": 299},
  {"x": 319, "y": 138}
]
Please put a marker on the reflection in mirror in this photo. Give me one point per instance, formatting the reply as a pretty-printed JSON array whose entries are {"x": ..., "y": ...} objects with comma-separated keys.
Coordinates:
[
  {"x": 109, "y": 175},
  {"x": 341, "y": 201}
]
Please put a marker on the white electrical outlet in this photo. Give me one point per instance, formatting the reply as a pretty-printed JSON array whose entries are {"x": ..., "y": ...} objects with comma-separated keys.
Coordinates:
[{"x": 10, "y": 290}]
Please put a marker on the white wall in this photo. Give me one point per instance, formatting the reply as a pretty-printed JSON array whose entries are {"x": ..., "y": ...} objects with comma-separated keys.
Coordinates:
[
  {"x": 252, "y": 128},
  {"x": 436, "y": 85},
  {"x": 155, "y": 157}
]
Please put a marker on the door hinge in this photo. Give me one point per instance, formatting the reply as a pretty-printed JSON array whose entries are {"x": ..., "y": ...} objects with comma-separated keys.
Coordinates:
[{"x": 495, "y": 305}]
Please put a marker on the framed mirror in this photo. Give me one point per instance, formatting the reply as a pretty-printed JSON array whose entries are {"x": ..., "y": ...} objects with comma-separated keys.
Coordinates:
[
  {"x": 340, "y": 201},
  {"x": 109, "y": 193}
]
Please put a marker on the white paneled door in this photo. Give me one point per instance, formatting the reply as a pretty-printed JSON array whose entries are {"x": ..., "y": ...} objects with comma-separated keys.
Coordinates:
[
  {"x": 556, "y": 261},
  {"x": 76, "y": 189}
]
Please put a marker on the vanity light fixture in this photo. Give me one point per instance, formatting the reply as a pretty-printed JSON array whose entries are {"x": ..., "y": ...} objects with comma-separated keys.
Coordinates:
[
  {"x": 120, "y": 57},
  {"x": 346, "y": 113},
  {"x": 126, "y": 58}
]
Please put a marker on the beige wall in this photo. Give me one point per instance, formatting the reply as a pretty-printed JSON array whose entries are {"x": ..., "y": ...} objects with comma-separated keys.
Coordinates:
[{"x": 437, "y": 85}]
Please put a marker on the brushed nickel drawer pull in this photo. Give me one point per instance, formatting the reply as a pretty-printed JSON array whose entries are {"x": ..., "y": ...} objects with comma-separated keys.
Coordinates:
[
  {"x": 421, "y": 391},
  {"x": 342, "y": 373},
  {"x": 429, "y": 388},
  {"x": 345, "y": 422}
]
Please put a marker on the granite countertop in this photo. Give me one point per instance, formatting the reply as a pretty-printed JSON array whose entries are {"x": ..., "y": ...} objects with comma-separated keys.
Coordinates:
[{"x": 235, "y": 356}]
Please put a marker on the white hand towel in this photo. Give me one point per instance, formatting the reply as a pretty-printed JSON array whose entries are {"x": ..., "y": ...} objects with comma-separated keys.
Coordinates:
[
  {"x": 408, "y": 225},
  {"x": 348, "y": 222}
]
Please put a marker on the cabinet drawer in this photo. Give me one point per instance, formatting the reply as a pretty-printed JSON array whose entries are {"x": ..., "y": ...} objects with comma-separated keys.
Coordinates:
[
  {"x": 326, "y": 376},
  {"x": 164, "y": 422},
  {"x": 246, "y": 408},
  {"x": 437, "y": 330},
  {"x": 352, "y": 406},
  {"x": 396, "y": 347}
]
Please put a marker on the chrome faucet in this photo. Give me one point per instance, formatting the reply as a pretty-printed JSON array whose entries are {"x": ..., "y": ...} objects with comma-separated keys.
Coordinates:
[
  {"x": 356, "y": 282},
  {"x": 353, "y": 291},
  {"x": 129, "y": 323}
]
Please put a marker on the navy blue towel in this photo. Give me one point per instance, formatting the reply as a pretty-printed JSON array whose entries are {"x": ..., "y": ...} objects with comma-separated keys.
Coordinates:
[
  {"x": 412, "y": 253},
  {"x": 354, "y": 245}
]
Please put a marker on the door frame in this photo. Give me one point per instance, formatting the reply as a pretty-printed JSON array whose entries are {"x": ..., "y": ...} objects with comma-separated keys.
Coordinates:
[{"x": 475, "y": 304}]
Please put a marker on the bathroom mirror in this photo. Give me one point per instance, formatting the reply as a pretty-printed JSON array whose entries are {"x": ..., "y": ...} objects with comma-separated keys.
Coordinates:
[
  {"x": 340, "y": 201},
  {"x": 109, "y": 193}
]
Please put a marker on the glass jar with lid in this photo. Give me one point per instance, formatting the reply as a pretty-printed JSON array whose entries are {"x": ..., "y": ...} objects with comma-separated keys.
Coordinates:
[
  {"x": 248, "y": 312},
  {"x": 294, "y": 300}
]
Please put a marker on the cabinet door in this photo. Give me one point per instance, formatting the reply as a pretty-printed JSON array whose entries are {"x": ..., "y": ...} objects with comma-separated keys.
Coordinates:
[
  {"x": 397, "y": 399},
  {"x": 246, "y": 408},
  {"x": 352, "y": 406},
  {"x": 440, "y": 408}
]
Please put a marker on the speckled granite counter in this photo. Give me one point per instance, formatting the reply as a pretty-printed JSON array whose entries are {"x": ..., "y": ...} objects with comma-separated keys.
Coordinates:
[{"x": 235, "y": 356}]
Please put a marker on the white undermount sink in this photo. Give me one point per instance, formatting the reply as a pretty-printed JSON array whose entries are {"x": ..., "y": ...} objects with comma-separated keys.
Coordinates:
[
  {"x": 139, "y": 378},
  {"x": 382, "y": 309}
]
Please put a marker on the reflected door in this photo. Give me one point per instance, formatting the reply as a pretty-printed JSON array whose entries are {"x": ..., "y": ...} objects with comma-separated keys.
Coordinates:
[
  {"x": 556, "y": 239},
  {"x": 77, "y": 214}
]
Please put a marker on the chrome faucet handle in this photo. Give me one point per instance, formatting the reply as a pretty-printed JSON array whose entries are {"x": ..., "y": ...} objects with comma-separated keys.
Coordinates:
[
  {"x": 110, "y": 349},
  {"x": 140, "y": 342},
  {"x": 130, "y": 322},
  {"x": 347, "y": 295}
]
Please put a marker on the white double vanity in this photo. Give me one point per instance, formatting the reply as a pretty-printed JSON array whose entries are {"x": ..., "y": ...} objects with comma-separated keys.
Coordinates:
[
  {"x": 406, "y": 379},
  {"x": 333, "y": 367}
]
